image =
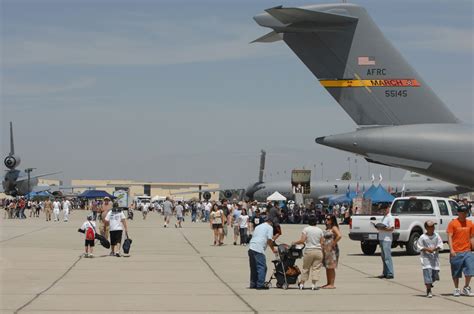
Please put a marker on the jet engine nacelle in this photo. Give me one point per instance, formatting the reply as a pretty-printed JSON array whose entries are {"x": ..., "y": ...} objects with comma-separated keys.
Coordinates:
[
  {"x": 206, "y": 195},
  {"x": 12, "y": 161},
  {"x": 228, "y": 194}
]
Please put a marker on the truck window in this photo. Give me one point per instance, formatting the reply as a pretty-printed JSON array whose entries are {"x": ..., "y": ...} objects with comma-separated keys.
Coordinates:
[
  {"x": 412, "y": 206},
  {"x": 443, "y": 208},
  {"x": 454, "y": 207}
]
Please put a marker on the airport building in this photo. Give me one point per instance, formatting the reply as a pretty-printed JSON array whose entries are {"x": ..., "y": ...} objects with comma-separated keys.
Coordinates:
[{"x": 153, "y": 189}]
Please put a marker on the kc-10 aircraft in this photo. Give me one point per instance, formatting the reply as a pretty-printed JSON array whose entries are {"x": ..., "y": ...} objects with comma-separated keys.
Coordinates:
[
  {"x": 412, "y": 184},
  {"x": 17, "y": 182},
  {"x": 401, "y": 122}
]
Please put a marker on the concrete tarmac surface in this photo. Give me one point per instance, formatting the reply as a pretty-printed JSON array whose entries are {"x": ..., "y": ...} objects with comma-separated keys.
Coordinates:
[{"x": 179, "y": 271}]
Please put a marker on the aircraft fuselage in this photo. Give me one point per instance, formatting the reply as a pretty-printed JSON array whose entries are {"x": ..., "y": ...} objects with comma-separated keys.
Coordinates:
[{"x": 444, "y": 151}]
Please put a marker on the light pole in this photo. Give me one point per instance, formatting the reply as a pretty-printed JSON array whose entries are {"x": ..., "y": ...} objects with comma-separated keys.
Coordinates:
[
  {"x": 28, "y": 171},
  {"x": 322, "y": 170}
]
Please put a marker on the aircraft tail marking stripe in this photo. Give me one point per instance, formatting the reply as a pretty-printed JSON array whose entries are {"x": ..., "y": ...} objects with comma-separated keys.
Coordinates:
[{"x": 371, "y": 83}]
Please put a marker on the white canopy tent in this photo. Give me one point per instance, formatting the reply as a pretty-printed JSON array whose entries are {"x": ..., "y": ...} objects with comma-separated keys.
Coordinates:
[{"x": 276, "y": 197}]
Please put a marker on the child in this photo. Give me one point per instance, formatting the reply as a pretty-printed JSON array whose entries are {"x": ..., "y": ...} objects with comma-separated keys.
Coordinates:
[
  {"x": 89, "y": 229},
  {"x": 429, "y": 245}
]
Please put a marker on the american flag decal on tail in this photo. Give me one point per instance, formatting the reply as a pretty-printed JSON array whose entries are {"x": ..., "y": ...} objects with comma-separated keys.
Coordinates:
[{"x": 366, "y": 61}]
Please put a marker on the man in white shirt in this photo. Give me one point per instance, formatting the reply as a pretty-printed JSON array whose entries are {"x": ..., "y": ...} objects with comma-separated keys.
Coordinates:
[
  {"x": 262, "y": 236},
  {"x": 385, "y": 241},
  {"x": 56, "y": 209},
  {"x": 207, "y": 210},
  {"x": 66, "y": 207},
  {"x": 117, "y": 221}
]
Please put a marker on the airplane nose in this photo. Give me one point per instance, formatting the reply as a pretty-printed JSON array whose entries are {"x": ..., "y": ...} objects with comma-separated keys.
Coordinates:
[
  {"x": 320, "y": 140},
  {"x": 266, "y": 20}
]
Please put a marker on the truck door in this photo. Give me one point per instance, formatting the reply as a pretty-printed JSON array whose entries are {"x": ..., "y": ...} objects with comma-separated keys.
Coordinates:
[{"x": 444, "y": 219}]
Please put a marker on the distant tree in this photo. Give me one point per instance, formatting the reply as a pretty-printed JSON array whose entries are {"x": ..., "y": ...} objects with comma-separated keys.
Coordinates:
[{"x": 346, "y": 176}]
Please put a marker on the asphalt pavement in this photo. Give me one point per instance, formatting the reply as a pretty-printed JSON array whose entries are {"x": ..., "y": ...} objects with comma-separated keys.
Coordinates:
[{"x": 180, "y": 271}]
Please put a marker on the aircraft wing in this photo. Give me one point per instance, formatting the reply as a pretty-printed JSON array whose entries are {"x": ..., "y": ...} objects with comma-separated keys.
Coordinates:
[{"x": 37, "y": 176}]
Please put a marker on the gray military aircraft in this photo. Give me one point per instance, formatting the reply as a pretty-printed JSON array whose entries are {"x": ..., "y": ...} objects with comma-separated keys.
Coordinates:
[
  {"x": 17, "y": 182},
  {"x": 412, "y": 184},
  {"x": 402, "y": 123}
]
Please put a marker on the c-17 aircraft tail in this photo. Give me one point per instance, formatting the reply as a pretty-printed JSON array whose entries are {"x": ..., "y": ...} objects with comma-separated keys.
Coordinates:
[{"x": 343, "y": 47}]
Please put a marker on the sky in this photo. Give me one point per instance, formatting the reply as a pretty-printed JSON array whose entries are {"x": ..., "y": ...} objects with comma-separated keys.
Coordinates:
[{"x": 174, "y": 91}]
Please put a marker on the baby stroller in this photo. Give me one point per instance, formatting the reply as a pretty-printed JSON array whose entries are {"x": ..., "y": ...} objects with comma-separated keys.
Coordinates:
[{"x": 285, "y": 271}]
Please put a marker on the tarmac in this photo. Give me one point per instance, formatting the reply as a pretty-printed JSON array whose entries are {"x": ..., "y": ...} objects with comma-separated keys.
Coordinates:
[{"x": 179, "y": 271}]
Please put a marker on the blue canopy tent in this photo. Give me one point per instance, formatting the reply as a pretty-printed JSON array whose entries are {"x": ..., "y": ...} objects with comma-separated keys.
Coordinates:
[
  {"x": 378, "y": 195},
  {"x": 41, "y": 194},
  {"x": 95, "y": 194},
  {"x": 370, "y": 190},
  {"x": 343, "y": 198}
]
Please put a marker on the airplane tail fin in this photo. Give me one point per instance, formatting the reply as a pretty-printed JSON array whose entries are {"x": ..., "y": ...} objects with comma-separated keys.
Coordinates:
[
  {"x": 262, "y": 166},
  {"x": 343, "y": 47},
  {"x": 12, "y": 144}
]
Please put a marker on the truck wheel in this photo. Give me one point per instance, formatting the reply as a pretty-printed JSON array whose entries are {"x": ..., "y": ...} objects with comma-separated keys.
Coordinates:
[
  {"x": 411, "y": 247},
  {"x": 368, "y": 248}
]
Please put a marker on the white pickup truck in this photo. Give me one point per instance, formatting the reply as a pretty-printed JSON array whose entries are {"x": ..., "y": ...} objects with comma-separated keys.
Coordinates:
[{"x": 410, "y": 214}]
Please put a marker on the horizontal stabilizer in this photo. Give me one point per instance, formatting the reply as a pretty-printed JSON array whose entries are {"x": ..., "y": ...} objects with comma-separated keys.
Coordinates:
[
  {"x": 268, "y": 38},
  {"x": 298, "y": 15}
]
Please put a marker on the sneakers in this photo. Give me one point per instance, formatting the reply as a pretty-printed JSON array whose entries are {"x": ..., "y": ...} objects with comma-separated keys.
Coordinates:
[
  {"x": 429, "y": 294},
  {"x": 111, "y": 254},
  {"x": 118, "y": 255},
  {"x": 466, "y": 291},
  {"x": 91, "y": 255},
  {"x": 313, "y": 287},
  {"x": 301, "y": 286},
  {"x": 457, "y": 292}
]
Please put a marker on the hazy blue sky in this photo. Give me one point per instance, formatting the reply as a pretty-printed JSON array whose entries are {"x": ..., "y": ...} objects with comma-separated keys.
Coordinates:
[{"x": 173, "y": 91}]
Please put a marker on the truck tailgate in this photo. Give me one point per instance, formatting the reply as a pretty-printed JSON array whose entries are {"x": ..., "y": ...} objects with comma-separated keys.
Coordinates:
[{"x": 363, "y": 224}]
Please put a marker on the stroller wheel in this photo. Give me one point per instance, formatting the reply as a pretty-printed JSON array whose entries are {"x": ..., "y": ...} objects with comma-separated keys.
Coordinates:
[
  {"x": 278, "y": 285},
  {"x": 268, "y": 284},
  {"x": 284, "y": 286}
]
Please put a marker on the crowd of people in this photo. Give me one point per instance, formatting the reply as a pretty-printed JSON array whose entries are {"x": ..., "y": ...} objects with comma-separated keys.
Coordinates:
[
  {"x": 258, "y": 227},
  {"x": 22, "y": 208}
]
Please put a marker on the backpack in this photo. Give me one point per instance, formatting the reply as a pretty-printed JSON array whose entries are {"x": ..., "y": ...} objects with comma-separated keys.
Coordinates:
[{"x": 90, "y": 233}]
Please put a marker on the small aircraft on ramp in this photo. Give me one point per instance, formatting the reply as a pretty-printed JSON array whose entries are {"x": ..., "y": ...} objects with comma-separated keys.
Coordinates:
[
  {"x": 412, "y": 184},
  {"x": 402, "y": 123},
  {"x": 17, "y": 182}
]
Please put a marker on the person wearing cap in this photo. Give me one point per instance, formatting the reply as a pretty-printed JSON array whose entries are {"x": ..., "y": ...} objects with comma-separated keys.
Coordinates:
[
  {"x": 261, "y": 238},
  {"x": 90, "y": 236},
  {"x": 461, "y": 243},
  {"x": 429, "y": 244}
]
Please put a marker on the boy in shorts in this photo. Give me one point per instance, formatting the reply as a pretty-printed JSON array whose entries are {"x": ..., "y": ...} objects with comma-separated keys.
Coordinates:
[
  {"x": 89, "y": 229},
  {"x": 429, "y": 245}
]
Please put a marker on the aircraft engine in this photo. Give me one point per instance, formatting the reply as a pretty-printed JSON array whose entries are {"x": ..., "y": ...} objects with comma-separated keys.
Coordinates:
[
  {"x": 12, "y": 161},
  {"x": 206, "y": 196},
  {"x": 228, "y": 194}
]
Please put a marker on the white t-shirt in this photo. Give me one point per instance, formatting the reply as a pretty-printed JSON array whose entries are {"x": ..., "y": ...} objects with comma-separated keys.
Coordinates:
[
  {"x": 313, "y": 237},
  {"x": 207, "y": 207},
  {"x": 260, "y": 237},
  {"x": 87, "y": 224},
  {"x": 56, "y": 206},
  {"x": 115, "y": 220},
  {"x": 145, "y": 207},
  {"x": 389, "y": 222},
  {"x": 179, "y": 210},
  {"x": 430, "y": 260},
  {"x": 66, "y": 205},
  {"x": 243, "y": 221}
]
